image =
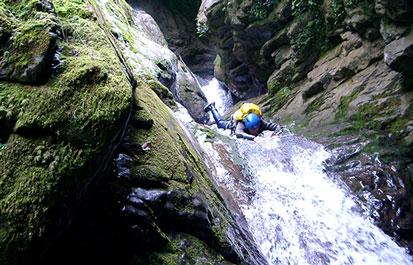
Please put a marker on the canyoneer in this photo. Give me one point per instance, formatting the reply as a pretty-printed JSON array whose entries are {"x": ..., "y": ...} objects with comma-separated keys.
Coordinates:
[{"x": 247, "y": 122}]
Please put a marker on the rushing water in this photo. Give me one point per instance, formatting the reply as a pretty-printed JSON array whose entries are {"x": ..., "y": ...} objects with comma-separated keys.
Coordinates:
[
  {"x": 297, "y": 212},
  {"x": 214, "y": 91}
]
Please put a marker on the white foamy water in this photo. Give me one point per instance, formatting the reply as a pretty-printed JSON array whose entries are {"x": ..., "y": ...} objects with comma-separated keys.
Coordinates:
[
  {"x": 296, "y": 212},
  {"x": 299, "y": 215},
  {"x": 215, "y": 92}
]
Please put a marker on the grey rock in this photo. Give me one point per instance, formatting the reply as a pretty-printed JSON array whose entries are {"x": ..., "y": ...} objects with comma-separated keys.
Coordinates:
[
  {"x": 398, "y": 55},
  {"x": 188, "y": 92},
  {"x": 390, "y": 31},
  {"x": 318, "y": 86}
]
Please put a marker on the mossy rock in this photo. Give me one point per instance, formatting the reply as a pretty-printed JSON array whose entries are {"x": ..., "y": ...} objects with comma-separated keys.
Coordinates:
[
  {"x": 59, "y": 134},
  {"x": 170, "y": 162},
  {"x": 184, "y": 249},
  {"x": 29, "y": 46}
]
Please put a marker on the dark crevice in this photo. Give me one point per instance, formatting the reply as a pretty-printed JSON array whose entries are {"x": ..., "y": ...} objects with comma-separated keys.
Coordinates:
[{"x": 6, "y": 129}]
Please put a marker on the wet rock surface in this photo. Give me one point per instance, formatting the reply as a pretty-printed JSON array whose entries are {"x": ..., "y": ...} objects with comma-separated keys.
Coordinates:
[
  {"x": 381, "y": 185},
  {"x": 398, "y": 54},
  {"x": 57, "y": 133},
  {"x": 145, "y": 41},
  {"x": 176, "y": 20},
  {"x": 27, "y": 48},
  {"x": 332, "y": 70},
  {"x": 156, "y": 205}
]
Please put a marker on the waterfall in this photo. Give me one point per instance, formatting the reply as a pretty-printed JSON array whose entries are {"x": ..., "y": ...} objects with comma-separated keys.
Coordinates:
[
  {"x": 296, "y": 211},
  {"x": 216, "y": 92}
]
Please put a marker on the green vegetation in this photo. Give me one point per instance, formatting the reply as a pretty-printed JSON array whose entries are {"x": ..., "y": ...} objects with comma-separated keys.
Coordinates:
[
  {"x": 371, "y": 120},
  {"x": 365, "y": 117},
  {"x": 210, "y": 134},
  {"x": 315, "y": 105},
  {"x": 338, "y": 13},
  {"x": 280, "y": 98},
  {"x": 171, "y": 162},
  {"x": 282, "y": 82},
  {"x": 184, "y": 249},
  {"x": 62, "y": 129},
  {"x": 311, "y": 37},
  {"x": 72, "y": 8},
  {"x": 260, "y": 9},
  {"x": 343, "y": 107},
  {"x": 366, "y": 6},
  {"x": 299, "y": 7},
  {"x": 201, "y": 29}
]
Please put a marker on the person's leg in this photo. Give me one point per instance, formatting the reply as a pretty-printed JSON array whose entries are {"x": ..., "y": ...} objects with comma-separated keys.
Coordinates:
[{"x": 217, "y": 117}]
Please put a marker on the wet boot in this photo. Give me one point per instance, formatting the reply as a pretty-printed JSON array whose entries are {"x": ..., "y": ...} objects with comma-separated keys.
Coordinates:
[{"x": 209, "y": 107}]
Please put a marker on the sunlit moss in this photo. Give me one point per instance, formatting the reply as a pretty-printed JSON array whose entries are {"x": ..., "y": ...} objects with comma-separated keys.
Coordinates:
[{"x": 59, "y": 131}]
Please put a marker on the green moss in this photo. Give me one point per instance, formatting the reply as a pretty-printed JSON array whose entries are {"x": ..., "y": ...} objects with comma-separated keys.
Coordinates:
[
  {"x": 260, "y": 9},
  {"x": 399, "y": 125},
  {"x": 365, "y": 117},
  {"x": 184, "y": 249},
  {"x": 32, "y": 39},
  {"x": 71, "y": 8},
  {"x": 27, "y": 188},
  {"x": 210, "y": 134},
  {"x": 373, "y": 119},
  {"x": 283, "y": 82},
  {"x": 122, "y": 11},
  {"x": 163, "y": 93},
  {"x": 13, "y": 100},
  {"x": 338, "y": 12},
  {"x": 7, "y": 21},
  {"x": 173, "y": 161},
  {"x": 280, "y": 98},
  {"x": 315, "y": 105},
  {"x": 373, "y": 147},
  {"x": 165, "y": 154},
  {"x": 273, "y": 87},
  {"x": 62, "y": 129},
  {"x": 344, "y": 103}
]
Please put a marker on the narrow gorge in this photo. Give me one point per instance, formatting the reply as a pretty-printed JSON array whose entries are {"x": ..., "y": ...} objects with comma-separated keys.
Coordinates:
[{"x": 108, "y": 157}]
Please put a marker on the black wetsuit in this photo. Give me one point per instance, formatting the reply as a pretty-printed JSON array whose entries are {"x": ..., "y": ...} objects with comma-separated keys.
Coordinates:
[{"x": 239, "y": 126}]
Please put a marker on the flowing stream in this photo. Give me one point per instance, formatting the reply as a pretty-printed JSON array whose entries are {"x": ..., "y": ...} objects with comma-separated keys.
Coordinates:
[{"x": 296, "y": 211}]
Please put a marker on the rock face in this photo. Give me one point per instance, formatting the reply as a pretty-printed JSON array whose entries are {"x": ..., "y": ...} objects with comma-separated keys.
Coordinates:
[
  {"x": 398, "y": 54},
  {"x": 147, "y": 52},
  {"x": 55, "y": 138},
  {"x": 27, "y": 52},
  {"x": 177, "y": 22},
  {"x": 60, "y": 130},
  {"x": 160, "y": 204},
  {"x": 340, "y": 71}
]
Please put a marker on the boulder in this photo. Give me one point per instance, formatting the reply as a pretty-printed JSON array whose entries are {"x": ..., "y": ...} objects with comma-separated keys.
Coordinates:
[
  {"x": 398, "y": 11},
  {"x": 176, "y": 20},
  {"x": 189, "y": 93},
  {"x": 318, "y": 85},
  {"x": 62, "y": 133},
  {"x": 399, "y": 55},
  {"x": 28, "y": 54}
]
